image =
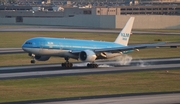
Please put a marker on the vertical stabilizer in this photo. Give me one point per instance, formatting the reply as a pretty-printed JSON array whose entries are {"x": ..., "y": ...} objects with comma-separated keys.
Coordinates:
[{"x": 124, "y": 35}]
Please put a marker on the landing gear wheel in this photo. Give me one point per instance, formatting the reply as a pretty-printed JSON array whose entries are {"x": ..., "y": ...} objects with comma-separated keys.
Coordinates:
[
  {"x": 92, "y": 65},
  {"x": 32, "y": 61},
  {"x": 67, "y": 65}
]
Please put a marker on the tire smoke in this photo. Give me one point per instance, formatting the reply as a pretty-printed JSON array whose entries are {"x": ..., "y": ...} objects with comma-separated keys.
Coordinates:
[
  {"x": 105, "y": 65},
  {"x": 143, "y": 63},
  {"x": 123, "y": 59}
]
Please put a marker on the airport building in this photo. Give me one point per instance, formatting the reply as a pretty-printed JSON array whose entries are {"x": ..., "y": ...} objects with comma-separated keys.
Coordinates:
[
  {"x": 151, "y": 13},
  {"x": 94, "y": 2}
]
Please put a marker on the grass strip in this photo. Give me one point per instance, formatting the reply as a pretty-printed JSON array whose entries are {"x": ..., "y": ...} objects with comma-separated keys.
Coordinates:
[
  {"x": 89, "y": 85},
  {"x": 16, "y": 39}
]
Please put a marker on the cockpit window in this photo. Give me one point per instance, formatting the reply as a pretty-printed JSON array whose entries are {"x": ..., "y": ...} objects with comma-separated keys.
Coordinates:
[{"x": 28, "y": 43}]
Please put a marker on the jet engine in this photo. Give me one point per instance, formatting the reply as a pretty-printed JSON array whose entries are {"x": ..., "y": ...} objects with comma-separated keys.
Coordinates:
[
  {"x": 42, "y": 58},
  {"x": 87, "y": 55}
]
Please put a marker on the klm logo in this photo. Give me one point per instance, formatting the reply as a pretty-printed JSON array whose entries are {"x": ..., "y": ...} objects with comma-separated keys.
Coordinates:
[{"x": 125, "y": 36}]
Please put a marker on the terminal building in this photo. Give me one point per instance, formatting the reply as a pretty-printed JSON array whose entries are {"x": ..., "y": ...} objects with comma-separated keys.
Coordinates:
[
  {"x": 56, "y": 11},
  {"x": 155, "y": 13},
  {"x": 95, "y": 2}
]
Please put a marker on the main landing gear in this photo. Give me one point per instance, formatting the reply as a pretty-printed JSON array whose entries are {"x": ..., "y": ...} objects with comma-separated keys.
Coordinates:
[
  {"x": 67, "y": 64},
  {"x": 92, "y": 65}
]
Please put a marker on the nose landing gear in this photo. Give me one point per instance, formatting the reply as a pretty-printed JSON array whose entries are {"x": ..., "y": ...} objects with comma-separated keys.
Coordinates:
[
  {"x": 33, "y": 58},
  {"x": 33, "y": 61}
]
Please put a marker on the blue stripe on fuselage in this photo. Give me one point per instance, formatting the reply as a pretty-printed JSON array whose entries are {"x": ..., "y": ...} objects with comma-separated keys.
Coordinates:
[{"x": 68, "y": 44}]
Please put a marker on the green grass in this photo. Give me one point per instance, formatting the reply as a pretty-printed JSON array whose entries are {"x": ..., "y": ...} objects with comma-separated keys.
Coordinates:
[
  {"x": 156, "y": 53},
  {"x": 88, "y": 85},
  {"x": 149, "y": 38},
  {"x": 16, "y": 39}
]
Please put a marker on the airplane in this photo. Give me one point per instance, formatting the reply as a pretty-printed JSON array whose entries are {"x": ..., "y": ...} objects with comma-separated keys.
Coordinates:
[{"x": 42, "y": 48}]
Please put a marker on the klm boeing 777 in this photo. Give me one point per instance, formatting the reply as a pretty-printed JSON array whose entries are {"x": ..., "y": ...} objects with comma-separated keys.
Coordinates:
[{"x": 42, "y": 48}]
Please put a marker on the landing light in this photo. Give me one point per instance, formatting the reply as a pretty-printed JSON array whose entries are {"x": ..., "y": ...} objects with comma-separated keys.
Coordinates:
[{"x": 137, "y": 50}]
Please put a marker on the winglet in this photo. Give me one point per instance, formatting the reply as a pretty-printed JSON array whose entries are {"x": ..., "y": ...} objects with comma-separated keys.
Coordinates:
[{"x": 124, "y": 35}]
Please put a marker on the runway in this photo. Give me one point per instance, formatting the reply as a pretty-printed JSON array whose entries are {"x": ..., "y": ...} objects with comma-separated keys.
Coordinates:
[
  {"x": 11, "y": 50},
  {"x": 80, "y": 68},
  {"x": 141, "y": 99}
]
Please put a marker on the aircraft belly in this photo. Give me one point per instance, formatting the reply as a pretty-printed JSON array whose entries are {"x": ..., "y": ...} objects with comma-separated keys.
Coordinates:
[{"x": 54, "y": 52}]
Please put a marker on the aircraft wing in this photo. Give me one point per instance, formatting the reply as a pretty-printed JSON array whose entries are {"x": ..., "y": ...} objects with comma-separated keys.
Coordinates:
[
  {"x": 125, "y": 48},
  {"x": 130, "y": 47}
]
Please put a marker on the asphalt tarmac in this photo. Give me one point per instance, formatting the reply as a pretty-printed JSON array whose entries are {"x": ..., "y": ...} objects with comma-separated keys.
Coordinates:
[
  {"x": 81, "y": 69},
  {"x": 142, "y": 99},
  {"x": 11, "y": 50}
]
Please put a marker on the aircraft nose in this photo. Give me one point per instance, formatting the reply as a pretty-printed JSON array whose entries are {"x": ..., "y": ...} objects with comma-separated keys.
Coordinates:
[{"x": 24, "y": 47}]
